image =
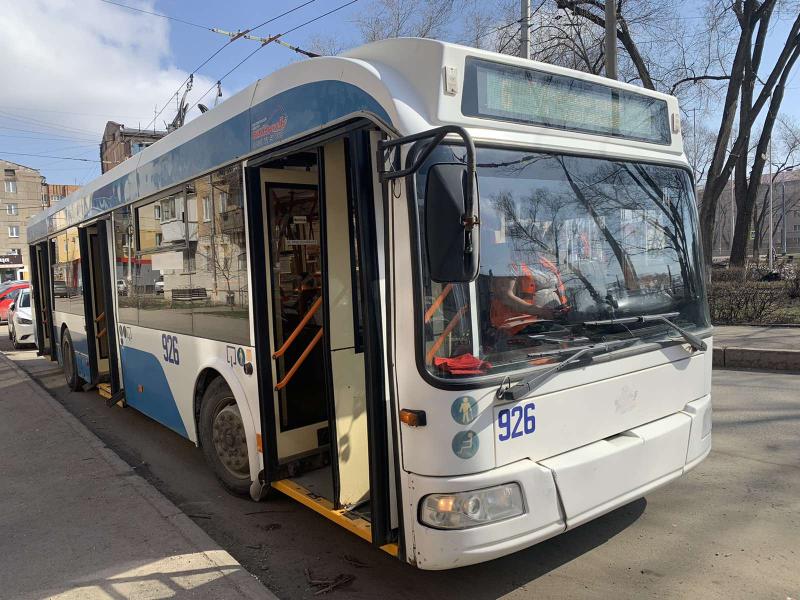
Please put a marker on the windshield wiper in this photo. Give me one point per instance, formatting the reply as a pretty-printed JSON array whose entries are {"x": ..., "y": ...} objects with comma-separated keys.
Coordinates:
[
  {"x": 507, "y": 392},
  {"x": 695, "y": 342}
]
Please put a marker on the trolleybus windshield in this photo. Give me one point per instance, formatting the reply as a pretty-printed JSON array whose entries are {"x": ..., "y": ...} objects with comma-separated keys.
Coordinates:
[{"x": 571, "y": 248}]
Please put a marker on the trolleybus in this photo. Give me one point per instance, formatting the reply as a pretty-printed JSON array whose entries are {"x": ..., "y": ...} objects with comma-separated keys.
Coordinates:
[{"x": 452, "y": 300}]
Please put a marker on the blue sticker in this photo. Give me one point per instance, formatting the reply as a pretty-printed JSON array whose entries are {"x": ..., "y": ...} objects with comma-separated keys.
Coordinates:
[
  {"x": 464, "y": 410},
  {"x": 465, "y": 444}
]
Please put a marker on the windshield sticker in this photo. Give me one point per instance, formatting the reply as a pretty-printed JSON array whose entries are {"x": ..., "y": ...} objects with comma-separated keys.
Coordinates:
[
  {"x": 465, "y": 444},
  {"x": 464, "y": 410}
]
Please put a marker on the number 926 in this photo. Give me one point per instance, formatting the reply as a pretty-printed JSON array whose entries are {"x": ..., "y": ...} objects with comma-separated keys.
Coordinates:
[{"x": 516, "y": 421}]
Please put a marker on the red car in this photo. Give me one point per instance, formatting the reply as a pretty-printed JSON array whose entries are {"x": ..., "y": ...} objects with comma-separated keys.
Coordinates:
[{"x": 9, "y": 293}]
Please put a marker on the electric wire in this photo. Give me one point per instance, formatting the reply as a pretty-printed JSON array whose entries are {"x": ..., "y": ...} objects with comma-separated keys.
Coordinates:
[
  {"x": 210, "y": 58},
  {"x": 268, "y": 41},
  {"x": 155, "y": 14},
  {"x": 49, "y": 156}
]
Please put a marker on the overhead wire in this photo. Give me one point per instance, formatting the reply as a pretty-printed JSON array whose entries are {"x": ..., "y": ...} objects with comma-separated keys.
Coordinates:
[
  {"x": 232, "y": 39},
  {"x": 50, "y": 156},
  {"x": 270, "y": 40}
]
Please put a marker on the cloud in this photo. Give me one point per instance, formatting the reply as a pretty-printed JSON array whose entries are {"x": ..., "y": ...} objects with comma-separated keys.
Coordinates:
[{"x": 87, "y": 57}]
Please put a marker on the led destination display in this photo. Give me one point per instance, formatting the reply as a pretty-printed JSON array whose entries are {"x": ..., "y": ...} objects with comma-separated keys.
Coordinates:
[{"x": 511, "y": 93}]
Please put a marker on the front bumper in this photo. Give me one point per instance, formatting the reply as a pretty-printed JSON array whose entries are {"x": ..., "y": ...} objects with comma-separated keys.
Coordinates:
[{"x": 567, "y": 490}]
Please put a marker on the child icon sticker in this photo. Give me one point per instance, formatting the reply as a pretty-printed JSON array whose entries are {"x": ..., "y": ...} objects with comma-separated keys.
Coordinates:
[
  {"x": 464, "y": 410},
  {"x": 465, "y": 444}
]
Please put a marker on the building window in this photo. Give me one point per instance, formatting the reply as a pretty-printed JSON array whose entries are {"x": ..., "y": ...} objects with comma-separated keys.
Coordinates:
[
  {"x": 157, "y": 211},
  {"x": 11, "y": 186},
  {"x": 10, "y": 172},
  {"x": 12, "y": 209},
  {"x": 13, "y": 231},
  {"x": 207, "y": 209},
  {"x": 14, "y": 251},
  {"x": 159, "y": 239}
]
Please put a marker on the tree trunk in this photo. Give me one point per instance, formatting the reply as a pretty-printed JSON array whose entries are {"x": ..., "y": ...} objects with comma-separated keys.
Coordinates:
[{"x": 744, "y": 215}]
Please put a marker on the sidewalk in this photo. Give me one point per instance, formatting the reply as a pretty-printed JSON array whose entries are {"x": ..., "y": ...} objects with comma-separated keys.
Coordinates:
[
  {"x": 77, "y": 522},
  {"x": 752, "y": 347}
]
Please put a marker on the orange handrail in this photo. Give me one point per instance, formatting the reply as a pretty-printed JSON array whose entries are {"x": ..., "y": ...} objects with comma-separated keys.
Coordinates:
[
  {"x": 311, "y": 312},
  {"x": 300, "y": 360},
  {"x": 440, "y": 340},
  {"x": 438, "y": 302}
]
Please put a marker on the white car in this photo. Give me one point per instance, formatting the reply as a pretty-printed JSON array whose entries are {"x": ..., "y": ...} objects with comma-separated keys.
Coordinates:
[{"x": 20, "y": 320}]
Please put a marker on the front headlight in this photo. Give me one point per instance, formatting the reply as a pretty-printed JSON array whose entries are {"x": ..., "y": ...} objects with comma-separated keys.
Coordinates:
[
  {"x": 23, "y": 321},
  {"x": 470, "y": 509}
]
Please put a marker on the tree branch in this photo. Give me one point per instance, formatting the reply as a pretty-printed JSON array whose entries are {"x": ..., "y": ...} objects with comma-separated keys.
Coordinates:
[{"x": 695, "y": 79}]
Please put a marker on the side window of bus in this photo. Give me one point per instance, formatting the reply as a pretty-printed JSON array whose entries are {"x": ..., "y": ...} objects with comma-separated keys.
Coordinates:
[
  {"x": 163, "y": 280},
  {"x": 125, "y": 252},
  {"x": 218, "y": 242},
  {"x": 182, "y": 260},
  {"x": 67, "y": 278}
]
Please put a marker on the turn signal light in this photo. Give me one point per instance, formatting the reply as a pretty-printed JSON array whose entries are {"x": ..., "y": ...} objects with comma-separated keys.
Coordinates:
[{"x": 413, "y": 418}]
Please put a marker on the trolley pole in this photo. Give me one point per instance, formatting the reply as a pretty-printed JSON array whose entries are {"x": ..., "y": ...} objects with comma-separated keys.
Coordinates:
[
  {"x": 525, "y": 29},
  {"x": 611, "y": 39}
]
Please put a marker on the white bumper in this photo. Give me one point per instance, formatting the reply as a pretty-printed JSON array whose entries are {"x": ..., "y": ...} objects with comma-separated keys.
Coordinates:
[{"x": 567, "y": 490}]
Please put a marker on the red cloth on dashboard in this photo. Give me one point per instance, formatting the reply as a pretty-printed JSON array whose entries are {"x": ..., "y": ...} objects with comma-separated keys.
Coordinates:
[{"x": 464, "y": 364}]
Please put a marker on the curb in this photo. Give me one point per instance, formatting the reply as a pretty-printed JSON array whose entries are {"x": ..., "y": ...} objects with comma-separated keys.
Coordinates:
[
  {"x": 243, "y": 580},
  {"x": 756, "y": 358}
]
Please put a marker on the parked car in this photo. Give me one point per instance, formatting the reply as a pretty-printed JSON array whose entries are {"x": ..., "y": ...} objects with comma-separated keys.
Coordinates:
[
  {"x": 7, "y": 297},
  {"x": 60, "y": 289},
  {"x": 159, "y": 287},
  {"x": 20, "y": 320}
]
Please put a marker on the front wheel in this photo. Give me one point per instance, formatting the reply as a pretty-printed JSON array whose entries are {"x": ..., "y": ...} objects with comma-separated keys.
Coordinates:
[
  {"x": 74, "y": 382},
  {"x": 14, "y": 341},
  {"x": 223, "y": 439}
]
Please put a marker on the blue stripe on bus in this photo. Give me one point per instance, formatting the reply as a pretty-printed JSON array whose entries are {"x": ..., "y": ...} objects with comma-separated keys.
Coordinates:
[
  {"x": 304, "y": 108},
  {"x": 141, "y": 368}
]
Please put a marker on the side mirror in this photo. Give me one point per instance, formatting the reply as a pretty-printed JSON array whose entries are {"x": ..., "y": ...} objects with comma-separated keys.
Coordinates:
[
  {"x": 452, "y": 243},
  {"x": 12, "y": 307}
]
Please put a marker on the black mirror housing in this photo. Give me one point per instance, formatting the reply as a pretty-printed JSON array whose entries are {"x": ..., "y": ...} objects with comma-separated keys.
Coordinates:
[{"x": 452, "y": 237}]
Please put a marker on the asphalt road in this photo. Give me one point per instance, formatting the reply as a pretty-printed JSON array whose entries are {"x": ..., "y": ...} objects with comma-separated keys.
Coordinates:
[{"x": 729, "y": 529}]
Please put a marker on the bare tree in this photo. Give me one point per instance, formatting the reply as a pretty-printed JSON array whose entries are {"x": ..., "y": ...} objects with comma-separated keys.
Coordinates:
[
  {"x": 751, "y": 88},
  {"x": 786, "y": 157},
  {"x": 405, "y": 18}
]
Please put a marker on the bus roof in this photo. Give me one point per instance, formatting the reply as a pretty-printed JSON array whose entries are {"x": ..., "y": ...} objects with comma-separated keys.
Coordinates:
[{"x": 408, "y": 84}]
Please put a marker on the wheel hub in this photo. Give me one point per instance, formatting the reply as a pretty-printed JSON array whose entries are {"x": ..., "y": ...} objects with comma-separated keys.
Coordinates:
[{"x": 230, "y": 441}]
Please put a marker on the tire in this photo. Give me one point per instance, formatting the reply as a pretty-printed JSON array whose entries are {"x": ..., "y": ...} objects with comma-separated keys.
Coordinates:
[
  {"x": 69, "y": 364},
  {"x": 9, "y": 331},
  {"x": 222, "y": 438},
  {"x": 14, "y": 341}
]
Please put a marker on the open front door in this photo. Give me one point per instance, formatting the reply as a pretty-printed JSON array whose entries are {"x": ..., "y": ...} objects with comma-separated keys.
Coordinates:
[
  {"x": 42, "y": 299},
  {"x": 320, "y": 444},
  {"x": 99, "y": 308}
]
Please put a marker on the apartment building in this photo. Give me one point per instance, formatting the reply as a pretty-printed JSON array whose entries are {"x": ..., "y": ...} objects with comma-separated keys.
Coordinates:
[{"x": 120, "y": 143}]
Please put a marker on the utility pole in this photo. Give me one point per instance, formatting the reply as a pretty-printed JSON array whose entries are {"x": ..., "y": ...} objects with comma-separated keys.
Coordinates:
[
  {"x": 783, "y": 220},
  {"x": 525, "y": 29},
  {"x": 611, "y": 39},
  {"x": 771, "y": 245}
]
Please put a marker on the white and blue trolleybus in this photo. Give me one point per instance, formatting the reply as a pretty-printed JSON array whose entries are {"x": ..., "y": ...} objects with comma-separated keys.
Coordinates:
[{"x": 452, "y": 300}]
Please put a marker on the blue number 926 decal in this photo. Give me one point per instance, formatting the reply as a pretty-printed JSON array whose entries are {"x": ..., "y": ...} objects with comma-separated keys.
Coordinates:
[
  {"x": 516, "y": 421},
  {"x": 170, "y": 345}
]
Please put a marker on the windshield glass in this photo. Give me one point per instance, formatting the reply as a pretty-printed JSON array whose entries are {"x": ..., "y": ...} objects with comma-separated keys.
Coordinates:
[
  {"x": 565, "y": 241},
  {"x": 24, "y": 300}
]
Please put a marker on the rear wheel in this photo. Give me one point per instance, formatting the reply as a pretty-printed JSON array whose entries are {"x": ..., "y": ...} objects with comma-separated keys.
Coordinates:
[
  {"x": 14, "y": 340},
  {"x": 68, "y": 359},
  {"x": 223, "y": 439}
]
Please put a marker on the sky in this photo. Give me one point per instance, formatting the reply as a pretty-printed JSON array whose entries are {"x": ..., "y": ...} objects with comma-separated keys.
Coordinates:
[{"x": 71, "y": 65}]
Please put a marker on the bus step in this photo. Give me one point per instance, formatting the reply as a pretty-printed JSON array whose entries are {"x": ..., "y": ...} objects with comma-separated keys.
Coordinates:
[
  {"x": 350, "y": 520},
  {"x": 118, "y": 398},
  {"x": 104, "y": 389}
]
